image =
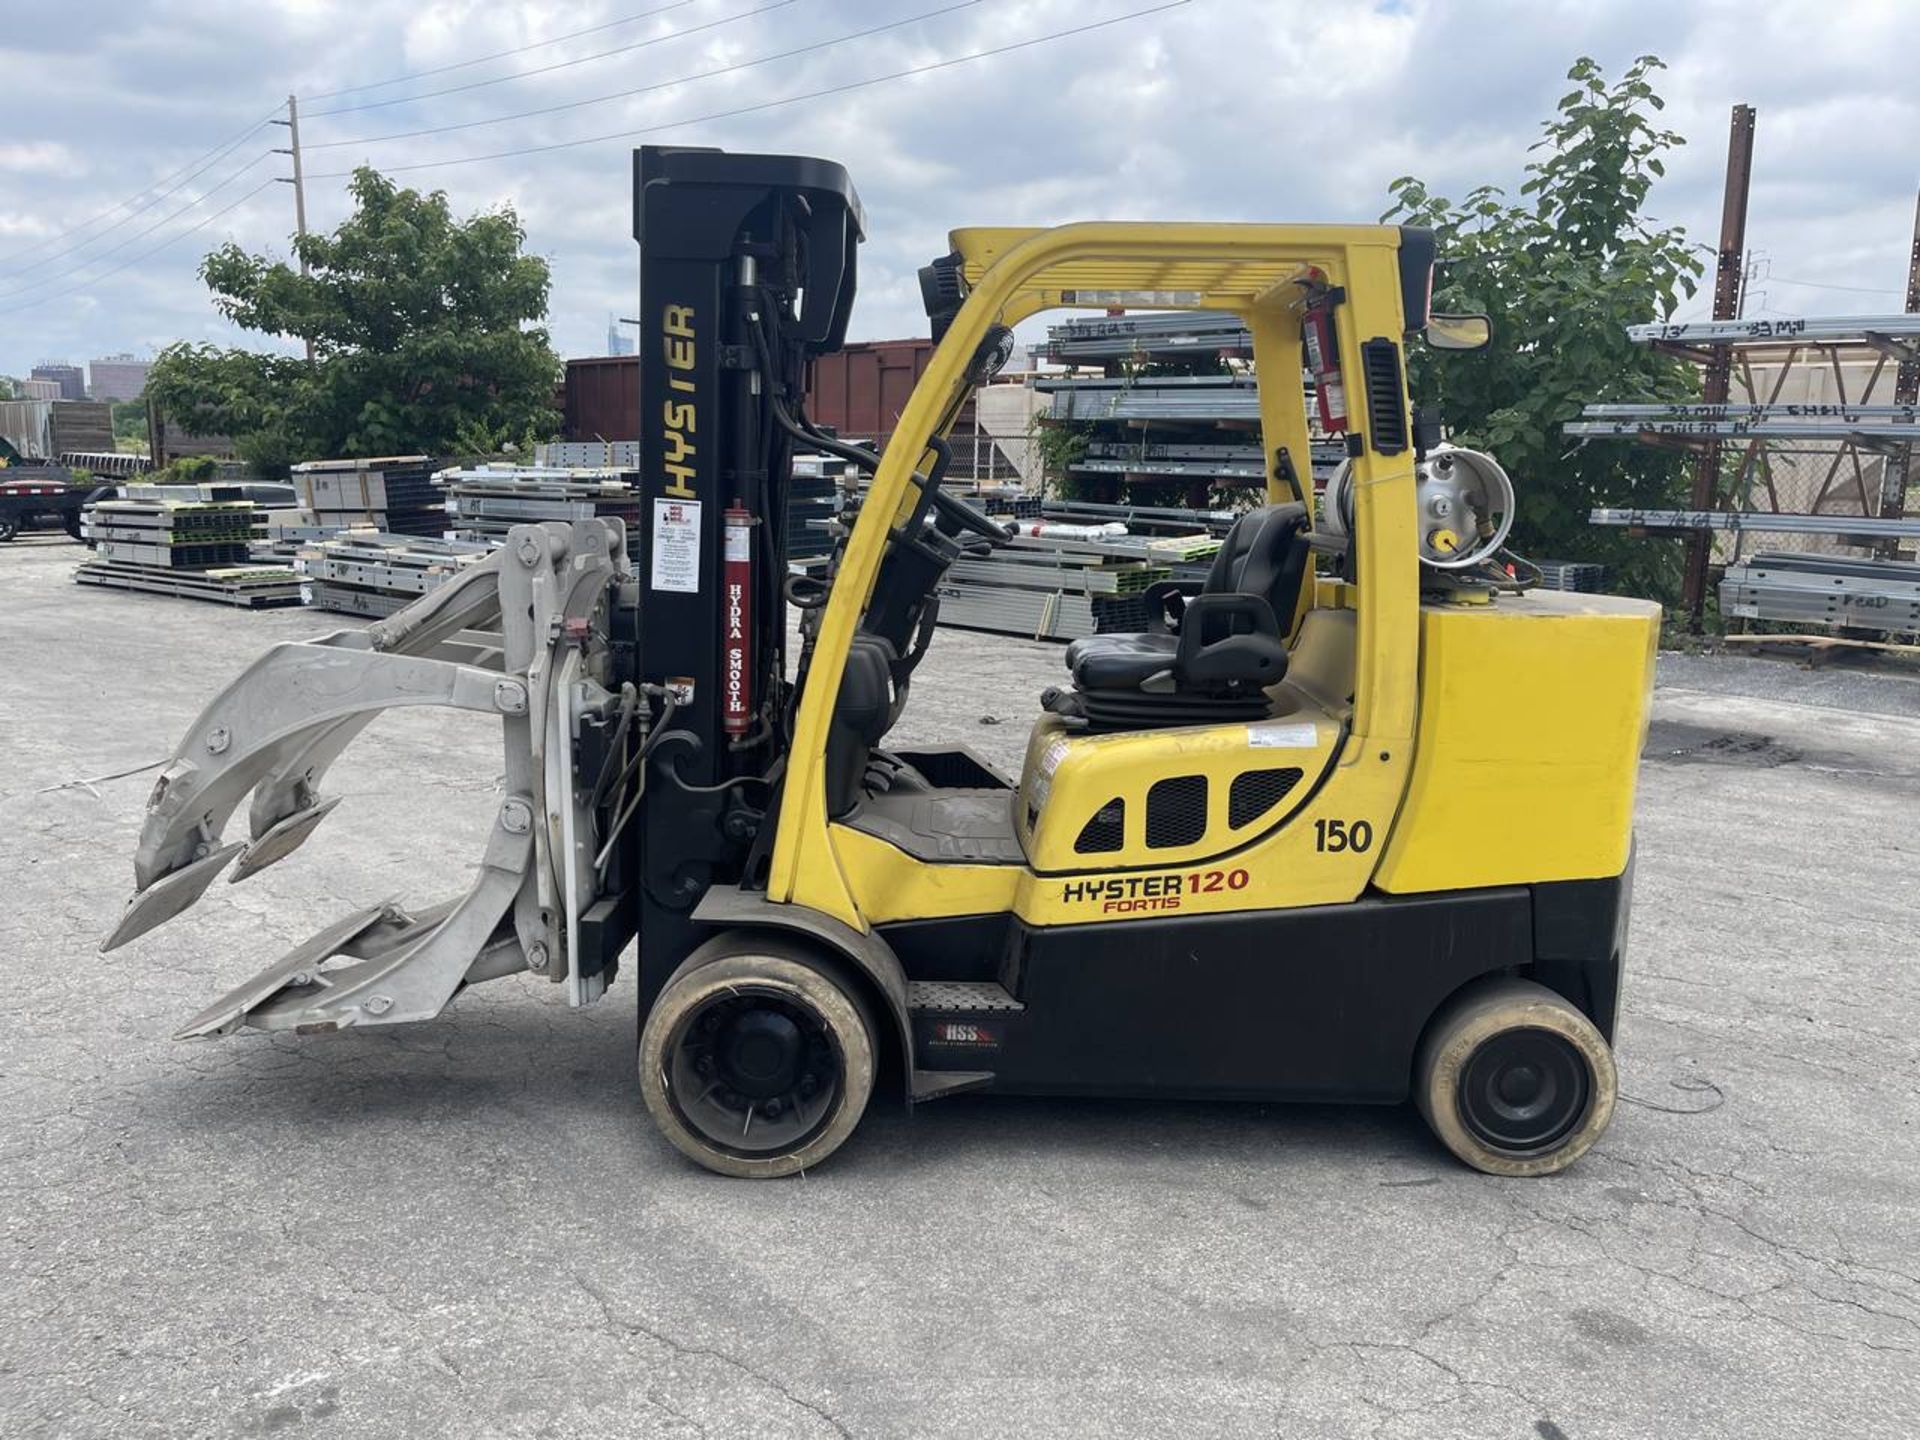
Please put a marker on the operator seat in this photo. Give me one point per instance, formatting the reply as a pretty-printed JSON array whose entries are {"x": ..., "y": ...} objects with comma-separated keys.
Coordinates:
[{"x": 1211, "y": 648}]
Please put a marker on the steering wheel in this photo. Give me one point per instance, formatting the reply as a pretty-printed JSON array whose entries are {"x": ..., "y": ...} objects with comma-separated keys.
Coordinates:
[{"x": 969, "y": 516}]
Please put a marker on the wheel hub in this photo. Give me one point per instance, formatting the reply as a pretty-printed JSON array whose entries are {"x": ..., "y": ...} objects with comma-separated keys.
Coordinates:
[
  {"x": 754, "y": 1072},
  {"x": 1524, "y": 1090},
  {"x": 761, "y": 1054}
]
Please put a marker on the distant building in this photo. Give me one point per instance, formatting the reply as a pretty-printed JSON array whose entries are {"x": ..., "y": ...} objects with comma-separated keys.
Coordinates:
[
  {"x": 38, "y": 389},
  {"x": 617, "y": 343},
  {"x": 71, "y": 379},
  {"x": 119, "y": 377}
]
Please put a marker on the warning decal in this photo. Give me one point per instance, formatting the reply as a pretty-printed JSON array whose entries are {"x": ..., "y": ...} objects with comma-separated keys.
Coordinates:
[{"x": 676, "y": 546}]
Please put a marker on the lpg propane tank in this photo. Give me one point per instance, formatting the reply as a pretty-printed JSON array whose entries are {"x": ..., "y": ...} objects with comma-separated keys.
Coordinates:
[{"x": 1463, "y": 500}]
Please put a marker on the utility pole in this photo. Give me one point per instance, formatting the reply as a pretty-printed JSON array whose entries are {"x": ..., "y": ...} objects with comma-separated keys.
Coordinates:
[
  {"x": 1728, "y": 276},
  {"x": 1906, "y": 391},
  {"x": 298, "y": 181}
]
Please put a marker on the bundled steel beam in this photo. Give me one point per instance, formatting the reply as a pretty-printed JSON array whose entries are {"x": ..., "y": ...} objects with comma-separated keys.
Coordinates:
[
  {"x": 1147, "y": 323},
  {"x": 1178, "y": 450},
  {"x": 1771, "y": 428},
  {"x": 1037, "y": 614},
  {"x": 190, "y": 549},
  {"x": 1156, "y": 402},
  {"x": 1805, "y": 330},
  {"x": 1173, "y": 469},
  {"x": 359, "y": 572},
  {"x": 392, "y": 493},
  {"x": 1055, "y": 384},
  {"x": 589, "y": 454},
  {"x": 1571, "y": 575},
  {"x": 1117, "y": 337},
  {"x": 1763, "y": 521},
  {"x": 484, "y": 502},
  {"x": 251, "y": 587},
  {"x": 1215, "y": 520},
  {"x": 1782, "y": 410},
  {"x": 1824, "y": 590}
]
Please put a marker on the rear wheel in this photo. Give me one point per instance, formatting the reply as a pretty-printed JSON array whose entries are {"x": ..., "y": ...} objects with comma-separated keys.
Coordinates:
[
  {"x": 1515, "y": 1080},
  {"x": 9, "y": 527},
  {"x": 755, "y": 1061}
]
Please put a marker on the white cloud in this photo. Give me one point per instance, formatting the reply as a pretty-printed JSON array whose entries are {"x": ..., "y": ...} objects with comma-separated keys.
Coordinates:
[
  {"x": 1222, "y": 109},
  {"x": 42, "y": 157}
]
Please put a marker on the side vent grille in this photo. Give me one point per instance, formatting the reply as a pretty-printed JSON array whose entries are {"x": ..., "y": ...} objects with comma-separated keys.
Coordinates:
[
  {"x": 1103, "y": 830},
  {"x": 1177, "y": 812},
  {"x": 1255, "y": 792},
  {"x": 1386, "y": 408}
]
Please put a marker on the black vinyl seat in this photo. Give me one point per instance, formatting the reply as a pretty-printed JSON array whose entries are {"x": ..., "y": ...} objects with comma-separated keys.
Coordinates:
[{"x": 1212, "y": 648}]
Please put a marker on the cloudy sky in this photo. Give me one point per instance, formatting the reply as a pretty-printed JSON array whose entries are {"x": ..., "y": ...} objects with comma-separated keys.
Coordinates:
[{"x": 1208, "y": 109}]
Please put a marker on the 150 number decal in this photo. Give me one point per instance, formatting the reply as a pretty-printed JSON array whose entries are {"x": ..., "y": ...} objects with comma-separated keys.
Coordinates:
[{"x": 1333, "y": 836}]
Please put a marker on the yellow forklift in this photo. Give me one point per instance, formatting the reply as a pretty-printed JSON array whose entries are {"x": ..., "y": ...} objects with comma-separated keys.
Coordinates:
[{"x": 1351, "y": 821}]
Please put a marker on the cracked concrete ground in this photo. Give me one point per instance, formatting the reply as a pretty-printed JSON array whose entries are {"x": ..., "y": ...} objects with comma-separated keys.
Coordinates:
[{"x": 470, "y": 1228}]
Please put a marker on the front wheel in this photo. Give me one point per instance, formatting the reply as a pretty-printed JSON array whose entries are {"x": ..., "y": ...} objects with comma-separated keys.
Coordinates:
[
  {"x": 755, "y": 1061},
  {"x": 1514, "y": 1080},
  {"x": 9, "y": 527}
]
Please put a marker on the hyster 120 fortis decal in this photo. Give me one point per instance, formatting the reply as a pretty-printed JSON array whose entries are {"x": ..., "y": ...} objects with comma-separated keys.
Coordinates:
[{"x": 1126, "y": 894}]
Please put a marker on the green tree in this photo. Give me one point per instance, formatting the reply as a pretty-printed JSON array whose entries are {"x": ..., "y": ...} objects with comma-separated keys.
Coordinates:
[
  {"x": 423, "y": 327},
  {"x": 130, "y": 425},
  {"x": 1563, "y": 273}
]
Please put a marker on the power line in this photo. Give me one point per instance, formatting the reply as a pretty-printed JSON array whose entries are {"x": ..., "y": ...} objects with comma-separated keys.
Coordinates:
[
  {"x": 1821, "y": 285},
  {"x": 840, "y": 89},
  {"x": 777, "y": 104},
  {"x": 159, "y": 224},
  {"x": 144, "y": 255},
  {"x": 557, "y": 65},
  {"x": 212, "y": 157},
  {"x": 141, "y": 209},
  {"x": 181, "y": 177},
  {"x": 503, "y": 54},
  {"x": 657, "y": 85}
]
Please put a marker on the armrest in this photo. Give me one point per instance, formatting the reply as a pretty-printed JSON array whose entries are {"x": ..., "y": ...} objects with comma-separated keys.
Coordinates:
[
  {"x": 1166, "y": 602},
  {"x": 1210, "y": 619}
]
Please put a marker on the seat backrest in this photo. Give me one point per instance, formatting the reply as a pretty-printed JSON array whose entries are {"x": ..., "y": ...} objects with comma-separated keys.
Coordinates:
[{"x": 1264, "y": 554}]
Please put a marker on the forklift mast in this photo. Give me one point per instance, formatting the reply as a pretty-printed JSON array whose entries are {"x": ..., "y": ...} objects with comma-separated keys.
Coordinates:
[{"x": 747, "y": 267}]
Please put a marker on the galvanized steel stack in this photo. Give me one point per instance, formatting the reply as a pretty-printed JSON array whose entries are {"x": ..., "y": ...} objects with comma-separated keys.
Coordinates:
[
  {"x": 1201, "y": 425},
  {"x": 365, "y": 572},
  {"x": 1878, "y": 592},
  {"x": 193, "y": 549},
  {"x": 393, "y": 494},
  {"x": 484, "y": 502},
  {"x": 1831, "y": 590}
]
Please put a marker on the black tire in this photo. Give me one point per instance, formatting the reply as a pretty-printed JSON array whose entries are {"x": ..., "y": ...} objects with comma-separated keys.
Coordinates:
[
  {"x": 1514, "y": 1080},
  {"x": 751, "y": 1029},
  {"x": 9, "y": 527}
]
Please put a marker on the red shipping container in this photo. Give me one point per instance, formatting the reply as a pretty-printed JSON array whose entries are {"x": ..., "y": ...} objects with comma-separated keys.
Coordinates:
[{"x": 859, "y": 391}]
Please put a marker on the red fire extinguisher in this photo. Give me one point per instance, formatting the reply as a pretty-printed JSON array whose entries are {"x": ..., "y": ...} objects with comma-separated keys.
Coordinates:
[
  {"x": 736, "y": 623},
  {"x": 1323, "y": 360}
]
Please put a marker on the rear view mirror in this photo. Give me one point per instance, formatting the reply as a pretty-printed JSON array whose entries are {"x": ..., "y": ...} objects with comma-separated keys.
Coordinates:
[{"x": 1459, "y": 332}]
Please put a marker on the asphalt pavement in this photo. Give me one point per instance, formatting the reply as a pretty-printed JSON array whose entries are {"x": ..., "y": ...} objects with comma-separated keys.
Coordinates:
[{"x": 470, "y": 1228}]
